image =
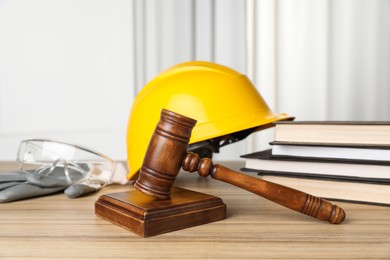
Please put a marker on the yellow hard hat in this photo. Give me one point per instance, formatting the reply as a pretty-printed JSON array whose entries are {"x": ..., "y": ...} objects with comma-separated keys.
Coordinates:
[{"x": 225, "y": 104}]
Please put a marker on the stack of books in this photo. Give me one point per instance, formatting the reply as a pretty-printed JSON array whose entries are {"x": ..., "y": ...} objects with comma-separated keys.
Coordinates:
[{"x": 347, "y": 161}]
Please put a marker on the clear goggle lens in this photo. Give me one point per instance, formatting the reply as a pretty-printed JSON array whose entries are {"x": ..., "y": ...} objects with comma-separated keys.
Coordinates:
[{"x": 43, "y": 156}]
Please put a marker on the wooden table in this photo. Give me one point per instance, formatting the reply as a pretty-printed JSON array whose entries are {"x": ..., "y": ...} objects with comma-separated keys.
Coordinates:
[{"x": 56, "y": 227}]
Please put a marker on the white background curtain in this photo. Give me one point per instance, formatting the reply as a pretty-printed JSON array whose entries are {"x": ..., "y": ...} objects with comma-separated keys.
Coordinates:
[{"x": 70, "y": 69}]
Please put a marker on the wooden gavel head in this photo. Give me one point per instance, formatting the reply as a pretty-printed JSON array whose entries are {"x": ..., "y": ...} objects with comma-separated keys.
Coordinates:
[{"x": 165, "y": 154}]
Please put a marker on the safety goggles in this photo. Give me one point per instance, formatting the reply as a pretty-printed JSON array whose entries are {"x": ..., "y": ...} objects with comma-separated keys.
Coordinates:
[{"x": 43, "y": 156}]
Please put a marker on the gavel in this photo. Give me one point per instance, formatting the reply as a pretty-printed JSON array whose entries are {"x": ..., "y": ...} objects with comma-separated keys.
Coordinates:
[{"x": 167, "y": 154}]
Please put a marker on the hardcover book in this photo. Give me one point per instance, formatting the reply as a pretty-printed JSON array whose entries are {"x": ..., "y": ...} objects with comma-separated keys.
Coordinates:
[
  {"x": 349, "y": 191},
  {"x": 332, "y": 151},
  {"x": 334, "y": 132},
  {"x": 359, "y": 170}
]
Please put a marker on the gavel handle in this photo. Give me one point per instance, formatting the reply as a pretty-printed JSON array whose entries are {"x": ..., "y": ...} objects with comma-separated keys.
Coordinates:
[{"x": 285, "y": 196}]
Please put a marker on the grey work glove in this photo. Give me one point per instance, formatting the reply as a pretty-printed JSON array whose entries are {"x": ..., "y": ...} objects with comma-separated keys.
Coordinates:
[
  {"x": 19, "y": 185},
  {"x": 22, "y": 185}
]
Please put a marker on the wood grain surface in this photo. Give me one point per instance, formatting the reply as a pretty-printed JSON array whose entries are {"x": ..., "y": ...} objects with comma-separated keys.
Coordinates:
[{"x": 56, "y": 227}]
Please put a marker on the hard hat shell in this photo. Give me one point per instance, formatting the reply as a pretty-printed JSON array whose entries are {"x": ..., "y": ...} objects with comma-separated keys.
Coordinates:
[{"x": 222, "y": 101}]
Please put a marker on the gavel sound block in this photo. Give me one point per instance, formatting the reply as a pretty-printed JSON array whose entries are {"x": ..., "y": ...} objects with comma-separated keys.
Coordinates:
[{"x": 156, "y": 207}]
